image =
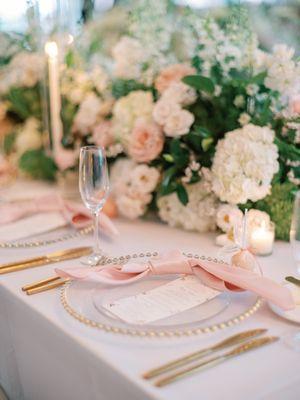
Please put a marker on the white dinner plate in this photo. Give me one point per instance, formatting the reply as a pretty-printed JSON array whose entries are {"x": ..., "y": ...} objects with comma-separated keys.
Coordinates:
[{"x": 292, "y": 315}]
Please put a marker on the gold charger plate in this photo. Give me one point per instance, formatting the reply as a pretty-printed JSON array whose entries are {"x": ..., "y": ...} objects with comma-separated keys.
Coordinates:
[{"x": 78, "y": 297}]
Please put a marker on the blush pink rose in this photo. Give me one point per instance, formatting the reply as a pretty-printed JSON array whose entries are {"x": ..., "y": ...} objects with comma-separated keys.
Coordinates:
[
  {"x": 171, "y": 74},
  {"x": 102, "y": 134},
  {"x": 295, "y": 105},
  {"x": 146, "y": 141},
  {"x": 65, "y": 158}
]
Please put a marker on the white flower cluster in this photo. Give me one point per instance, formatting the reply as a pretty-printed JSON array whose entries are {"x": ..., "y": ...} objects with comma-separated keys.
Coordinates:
[
  {"x": 128, "y": 55},
  {"x": 168, "y": 111},
  {"x": 244, "y": 164},
  {"x": 217, "y": 47},
  {"x": 198, "y": 214},
  {"x": 132, "y": 187},
  {"x": 283, "y": 72},
  {"x": 230, "y": 221},
  {"x": 137, "y": 104},
  {"x": 77, "y": 84},
  {"x": 24, "y": 70},
  {"x": 155, "y": 34}
]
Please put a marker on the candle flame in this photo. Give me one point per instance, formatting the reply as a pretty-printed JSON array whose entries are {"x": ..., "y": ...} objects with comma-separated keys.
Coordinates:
[{"x": 51, "y": 49}]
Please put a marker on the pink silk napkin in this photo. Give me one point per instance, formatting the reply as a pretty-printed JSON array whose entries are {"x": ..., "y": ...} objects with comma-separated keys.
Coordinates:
[
  {"x": 74, "y": 213},
  {"x": 215, "y": 275}
]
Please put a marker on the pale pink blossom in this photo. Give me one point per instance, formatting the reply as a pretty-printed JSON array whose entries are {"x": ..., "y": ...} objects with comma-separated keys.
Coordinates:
[
  {"x": 102, "y": 134},
  {"x": 171, "y": 74},
  {"x": 163, "y": 109},
  {"x": 295, "y": 105},
  {"x": 65, "y": 158},
  {"x": 146, "y": 141},
  {"x": 178, "y": 123}
]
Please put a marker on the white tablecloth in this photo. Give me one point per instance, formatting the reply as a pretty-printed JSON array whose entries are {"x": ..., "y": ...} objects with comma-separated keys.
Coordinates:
[{"x": 46, "y": 355}]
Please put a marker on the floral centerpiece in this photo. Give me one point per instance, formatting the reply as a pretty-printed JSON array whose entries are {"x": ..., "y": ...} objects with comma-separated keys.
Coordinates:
[{"x": 197, "y": 127}]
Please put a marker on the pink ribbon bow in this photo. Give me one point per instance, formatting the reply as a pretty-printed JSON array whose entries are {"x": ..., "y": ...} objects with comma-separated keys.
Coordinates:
[
  {"x": 74, "y": 213},
  {"x": 215, "y": 275}
]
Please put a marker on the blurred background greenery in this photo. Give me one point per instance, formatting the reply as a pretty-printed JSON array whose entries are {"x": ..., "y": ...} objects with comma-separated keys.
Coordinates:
[{"x": 275, "y": 21}]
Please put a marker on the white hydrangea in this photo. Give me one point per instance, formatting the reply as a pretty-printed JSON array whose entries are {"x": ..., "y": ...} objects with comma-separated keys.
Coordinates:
[
  {"x": 283, "y": 72},
  {"x": 25, "y": 69},
  {"x": 28, "y": 136},
  {"x": 197, "y": 215},
  {"x": 88, "y": 113},
  {"x": 133, "y": 185},
  {"x": 75, "y": 85},
  {"x": 244, "y": 164},
  {"x": 128, "y": 55},
  {"x": 126, "y": 110}
]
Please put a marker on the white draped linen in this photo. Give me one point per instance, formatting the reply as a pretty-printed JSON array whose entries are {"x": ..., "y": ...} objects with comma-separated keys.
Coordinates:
[{"x": 46, "y": 355}]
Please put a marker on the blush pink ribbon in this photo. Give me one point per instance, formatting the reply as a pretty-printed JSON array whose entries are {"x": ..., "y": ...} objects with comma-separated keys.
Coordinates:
[
  {"x": 215, "y": 275},
  {"x": 74, "y": 213}
]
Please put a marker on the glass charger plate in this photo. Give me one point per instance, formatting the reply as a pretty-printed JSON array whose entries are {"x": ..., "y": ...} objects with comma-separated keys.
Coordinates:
[
  {"x": 48, "y": 238},
  {"x": 84, "y": 300}
]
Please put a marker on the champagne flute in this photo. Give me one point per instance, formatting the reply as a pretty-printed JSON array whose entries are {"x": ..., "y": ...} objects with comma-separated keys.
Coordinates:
[{"x": 94, "y": 188}]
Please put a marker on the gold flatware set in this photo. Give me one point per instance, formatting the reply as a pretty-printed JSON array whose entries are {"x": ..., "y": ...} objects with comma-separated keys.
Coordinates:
[
  {"x": 49, "y": 283},
  {"x": 198, "y": 355}
]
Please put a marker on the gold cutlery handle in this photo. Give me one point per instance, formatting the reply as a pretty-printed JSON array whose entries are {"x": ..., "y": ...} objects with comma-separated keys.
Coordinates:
[
  {"x": 176, "y": 363},
  {"x": 44, "y": 288},
  {"x": 188, "y": 371},
  {"x": 20, "y": 267},
  {"x": 40, "y": 283},
  {"x": 232, "y": 340},
  {"x": 250, "y": 345},
  {"x": 14, "y": 264}
]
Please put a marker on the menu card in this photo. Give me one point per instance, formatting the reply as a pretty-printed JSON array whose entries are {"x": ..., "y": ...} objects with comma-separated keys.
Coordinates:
[{"x": 164, "y": 301}]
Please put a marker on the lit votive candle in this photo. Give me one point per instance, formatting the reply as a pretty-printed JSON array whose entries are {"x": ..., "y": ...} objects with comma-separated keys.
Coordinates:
[{"x": 262, "y": 240}]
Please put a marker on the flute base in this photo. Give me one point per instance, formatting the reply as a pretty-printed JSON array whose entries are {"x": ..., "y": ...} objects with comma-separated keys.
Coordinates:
[{"x": 94, "y": 259}]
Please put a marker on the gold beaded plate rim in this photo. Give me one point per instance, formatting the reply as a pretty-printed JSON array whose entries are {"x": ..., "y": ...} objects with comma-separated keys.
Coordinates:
[
  {"x": 46, "y": 242},
  {"x": 156, "y": 333}
]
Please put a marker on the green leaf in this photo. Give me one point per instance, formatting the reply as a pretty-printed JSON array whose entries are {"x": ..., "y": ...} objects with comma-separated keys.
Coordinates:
[
  {"x": 206, "y": 143},
  {"x": 200, "y": 83},
  {"x": 182, "y": 194},
  {"x": 38, "y": 165},
  {"x": 179, "y": 153},
  {"x": 9, "y": 141},
  {"x": 259, "y": 78},
  {"x": 288, "y": 151},
  {"x": 168, "y": 158},
  {"x": 122, "y": 87},
  {"x": 168, "y": 175}
]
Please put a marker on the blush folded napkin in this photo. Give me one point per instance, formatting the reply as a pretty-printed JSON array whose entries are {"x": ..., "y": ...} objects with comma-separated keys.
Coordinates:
[
  {"x": 74, "y": 213},
  {"x": 215, "y": 275}
]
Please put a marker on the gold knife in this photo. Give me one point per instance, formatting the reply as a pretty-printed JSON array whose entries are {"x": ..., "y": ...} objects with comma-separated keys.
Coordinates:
[
  {"x": 232, "y": 340},
  {"x": 250, "y": 345},
  {"x": 47, "y": 259},
  {"x": 45, "y": 287}
]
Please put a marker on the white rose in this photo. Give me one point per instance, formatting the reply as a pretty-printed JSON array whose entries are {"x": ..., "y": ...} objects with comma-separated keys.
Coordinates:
[
  {"x": 144, "y": 179},
  {"x": 180, "y": 93},
  {"x": 163, "y": 109},
  {"x": 178, "y": 123},
  {"x": 129, "y": 207},
  {"x": 228, "y": 216}
]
